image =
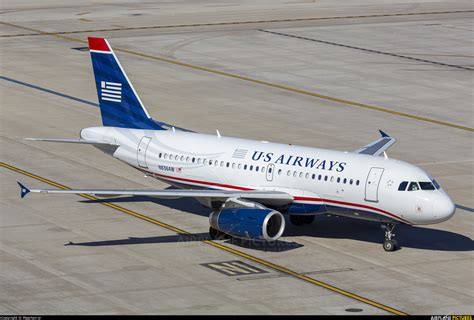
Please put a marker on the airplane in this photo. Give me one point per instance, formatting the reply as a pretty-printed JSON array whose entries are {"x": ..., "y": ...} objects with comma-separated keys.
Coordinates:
[{"x": 252, "y": 185}]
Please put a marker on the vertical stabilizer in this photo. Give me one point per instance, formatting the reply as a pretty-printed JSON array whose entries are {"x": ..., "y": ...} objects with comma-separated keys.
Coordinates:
[{"x": 120, "y": 105}]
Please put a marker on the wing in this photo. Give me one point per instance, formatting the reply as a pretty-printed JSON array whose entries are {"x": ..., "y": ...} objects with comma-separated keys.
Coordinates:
[
  {"x": 377, "y": 147},
  {"x": 265, "y": 197}
]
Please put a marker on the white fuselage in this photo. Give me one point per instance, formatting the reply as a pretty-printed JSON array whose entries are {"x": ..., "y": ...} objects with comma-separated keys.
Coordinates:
[{"x": 320, "y": 180}]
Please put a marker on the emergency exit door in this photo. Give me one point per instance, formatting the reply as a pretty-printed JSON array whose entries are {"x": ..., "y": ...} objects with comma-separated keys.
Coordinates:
[{"x": 270, "y": 169}]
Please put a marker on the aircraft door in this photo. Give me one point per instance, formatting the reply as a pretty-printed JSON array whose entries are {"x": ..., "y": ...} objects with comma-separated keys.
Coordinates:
[
  {"x": 141, "y": 151},
  {"x": 372, "y": 184},
  {"x": 270, "y": 169}
]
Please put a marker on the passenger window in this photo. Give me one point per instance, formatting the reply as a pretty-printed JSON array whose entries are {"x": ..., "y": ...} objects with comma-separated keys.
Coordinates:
[
  {"x": 288, "y": 173},
  {"x": 413, "y": 186},
  {"x": 325, "y": 178},
  {"x": 240, "y": 166},
  {"x": 403, "y": 186},
  {"x": 357, "y": 182},
  {"x": 295, "y": 173},
  {"x": 301, "y": 174},
  {"x": 344, "y": 181},
  {"x": 233, "y": 165},
  {"x": 176, "y": 157},
  {"x": 159, "y": 156},
  {"x": 263, "y": 169},
  {"x": 351, "y": 181},
  {"x": 193, "y": 160},
  {"x": 269, "y": 170},
  {"x": 245, "y": 167},
  {"x": 332, "y": 179},
  {"x": 338, "y": 179},
  {"x": 313, "y": 176},
  {"x": 279, "y": 171},
  {"x": 426, "y": 186},
  {"x": 307, "y": 175}
]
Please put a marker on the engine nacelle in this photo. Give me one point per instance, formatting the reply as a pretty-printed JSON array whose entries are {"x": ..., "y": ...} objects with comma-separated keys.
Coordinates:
[{"x": 249, "y": 223}]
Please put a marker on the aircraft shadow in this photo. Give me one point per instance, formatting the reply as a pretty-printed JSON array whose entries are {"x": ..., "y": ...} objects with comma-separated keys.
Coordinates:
[
  {"x": 416, "y": 237},
  {"x": 276, "y": 246},
  {"x": 189, "y": 205},
  {"x": 137, "y": 240}
]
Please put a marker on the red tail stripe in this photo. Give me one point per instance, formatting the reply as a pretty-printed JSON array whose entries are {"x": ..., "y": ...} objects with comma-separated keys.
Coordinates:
[{"x": 98, "y": 44}]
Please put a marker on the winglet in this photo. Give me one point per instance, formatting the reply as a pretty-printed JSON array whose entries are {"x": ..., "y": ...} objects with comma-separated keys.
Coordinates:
[
  {"x": 384, "y": 135},
  {"x": 23, "y": 190}
]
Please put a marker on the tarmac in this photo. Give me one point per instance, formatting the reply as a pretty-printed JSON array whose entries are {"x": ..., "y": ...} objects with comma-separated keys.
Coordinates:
[{"x": 316, "y": 73}]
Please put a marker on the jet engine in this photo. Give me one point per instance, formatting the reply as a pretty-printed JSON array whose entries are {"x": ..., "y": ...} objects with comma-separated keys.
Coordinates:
[{"x": 257, "y": 223}]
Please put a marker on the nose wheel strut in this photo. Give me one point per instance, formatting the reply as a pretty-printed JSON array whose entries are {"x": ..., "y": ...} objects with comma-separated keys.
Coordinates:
[{"x": 390, "y": 244}]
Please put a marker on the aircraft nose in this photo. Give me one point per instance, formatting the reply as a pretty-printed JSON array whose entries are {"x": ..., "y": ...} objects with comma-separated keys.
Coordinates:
[{"x": 444, "y": 209}]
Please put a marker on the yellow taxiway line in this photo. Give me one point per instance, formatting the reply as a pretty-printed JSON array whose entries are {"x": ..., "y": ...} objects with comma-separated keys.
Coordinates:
[
  {"x": 215, "y": 244},
  {"x": 261, "y": 82}
]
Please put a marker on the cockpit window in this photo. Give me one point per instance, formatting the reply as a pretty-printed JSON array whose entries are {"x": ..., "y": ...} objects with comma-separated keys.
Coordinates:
[
  {"x": 403, "y": 186},
  {"x": 413, "y": 186},
  {"x": 436, "y": 185},
  {"x": 426, "y": 185}
]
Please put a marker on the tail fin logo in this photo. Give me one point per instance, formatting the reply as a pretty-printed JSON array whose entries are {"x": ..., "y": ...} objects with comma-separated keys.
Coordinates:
[{"x": 111, "y": 91}]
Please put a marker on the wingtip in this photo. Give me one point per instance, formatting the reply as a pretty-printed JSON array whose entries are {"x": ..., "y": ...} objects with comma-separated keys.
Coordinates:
[
  {"x": 383, "y": 134},
  {"x": 23, "y": 190}
]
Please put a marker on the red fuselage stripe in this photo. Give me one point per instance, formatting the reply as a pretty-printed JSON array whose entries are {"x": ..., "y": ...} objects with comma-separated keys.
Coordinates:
[{"x": 296, "y": 198}]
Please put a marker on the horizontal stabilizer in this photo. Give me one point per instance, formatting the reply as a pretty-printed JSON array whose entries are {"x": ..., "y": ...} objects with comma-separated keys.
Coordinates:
[{"x": 81, "y": 141}]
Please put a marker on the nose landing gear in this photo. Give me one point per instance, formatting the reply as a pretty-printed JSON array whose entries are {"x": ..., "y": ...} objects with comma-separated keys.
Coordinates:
[{"x": 389, "y": 244}]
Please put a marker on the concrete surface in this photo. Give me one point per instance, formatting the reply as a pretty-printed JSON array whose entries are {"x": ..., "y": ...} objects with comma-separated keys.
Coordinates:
[{"x": 119, "y": 264}]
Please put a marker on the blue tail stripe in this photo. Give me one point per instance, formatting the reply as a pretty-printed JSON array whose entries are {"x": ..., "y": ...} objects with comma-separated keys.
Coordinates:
[{"x": 126, "y": 111}]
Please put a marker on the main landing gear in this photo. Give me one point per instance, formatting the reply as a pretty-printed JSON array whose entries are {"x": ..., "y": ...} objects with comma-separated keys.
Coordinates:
[
  {"x": 299, "y": 220},
  {"x": 389, "y": 244}
]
